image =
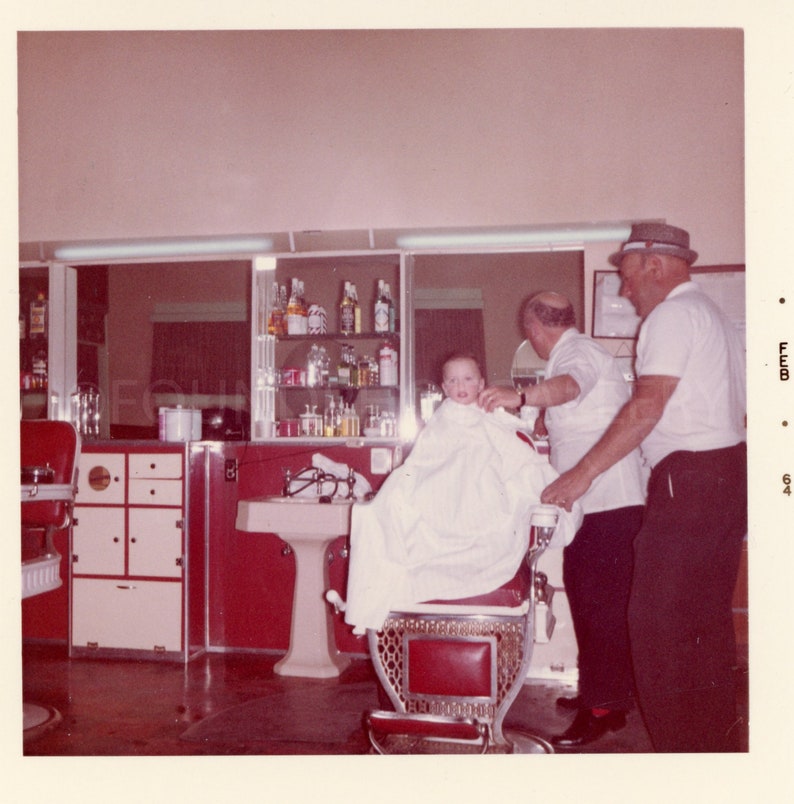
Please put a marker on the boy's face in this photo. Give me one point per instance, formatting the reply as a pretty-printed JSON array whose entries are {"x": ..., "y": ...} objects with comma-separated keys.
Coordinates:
[{"x": 462, "y": 381}]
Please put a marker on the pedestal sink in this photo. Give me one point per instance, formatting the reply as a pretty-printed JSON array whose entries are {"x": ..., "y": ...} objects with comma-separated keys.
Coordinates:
[{"x": 309, "y": 527}]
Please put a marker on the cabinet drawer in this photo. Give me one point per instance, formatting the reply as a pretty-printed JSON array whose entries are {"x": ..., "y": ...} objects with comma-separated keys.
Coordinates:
[
  {"x": 138, "y": 615},
  {"x": 100, "y": 478},
  {"x": 155, "y": 492},
  {"x": 98, "y": 541},
  {"x": 156, "y": 464}
]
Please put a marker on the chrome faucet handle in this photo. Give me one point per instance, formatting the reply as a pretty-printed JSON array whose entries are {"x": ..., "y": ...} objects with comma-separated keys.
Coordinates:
[
  {"x": 287, "y": 474},
  {"x": 351, "y": 483}
]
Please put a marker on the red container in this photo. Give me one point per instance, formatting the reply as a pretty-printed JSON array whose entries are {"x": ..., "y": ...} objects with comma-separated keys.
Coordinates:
[{"x": 288, "y": 428}]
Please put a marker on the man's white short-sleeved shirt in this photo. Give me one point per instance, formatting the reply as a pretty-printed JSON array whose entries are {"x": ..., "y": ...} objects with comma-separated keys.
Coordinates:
[
  {"x": 687, "y": 336},
  {"x": 576, "y": 426}
]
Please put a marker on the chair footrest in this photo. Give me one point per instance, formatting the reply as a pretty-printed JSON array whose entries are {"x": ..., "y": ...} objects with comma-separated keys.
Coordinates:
[{"x": 432, "y": 727}]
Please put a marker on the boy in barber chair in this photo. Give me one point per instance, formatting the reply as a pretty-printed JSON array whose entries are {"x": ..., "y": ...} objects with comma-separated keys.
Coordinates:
[{"x": 453, "y": 520}]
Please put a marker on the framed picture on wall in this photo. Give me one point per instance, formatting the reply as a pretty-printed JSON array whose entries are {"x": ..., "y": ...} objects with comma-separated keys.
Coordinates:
[{"x": 615, "y": 317}]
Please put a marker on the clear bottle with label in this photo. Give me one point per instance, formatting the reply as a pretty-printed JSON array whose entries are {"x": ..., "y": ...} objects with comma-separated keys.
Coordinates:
[
  {"x": 294, "y": 316},
  {"x": 347, "y": 311},
  {"x": 38, "y": 317},
  {"x": 303, "y": 308},
  {"x": 356, "y": 309},
  {"x": 343, "y": 369},
  {"x": 388, "y": 365},
  {"x": 392, "y": 307},
  {"x": 275, "y": 321},
  {"x": 381, "y": 309}
]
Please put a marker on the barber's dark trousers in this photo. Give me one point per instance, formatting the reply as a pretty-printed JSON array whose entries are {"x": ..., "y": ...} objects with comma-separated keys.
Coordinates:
[
  {"x": 680, "y": 619},
  {"x": 597, "y": 572}
]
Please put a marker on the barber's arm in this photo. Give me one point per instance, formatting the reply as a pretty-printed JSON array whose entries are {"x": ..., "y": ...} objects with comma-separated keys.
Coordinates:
[
  {"x": 633, "y": 423},
  {"x": 546, "y": 394}
]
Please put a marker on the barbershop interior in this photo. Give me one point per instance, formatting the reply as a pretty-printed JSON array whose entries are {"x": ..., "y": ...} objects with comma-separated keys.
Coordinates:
[{"x": 244, "y": 256}]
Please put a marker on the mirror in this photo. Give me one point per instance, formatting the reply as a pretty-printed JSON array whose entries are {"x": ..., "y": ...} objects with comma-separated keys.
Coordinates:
[
  {"x": 162, "y": 334},
  {"x": 473, "y": 302},
  {"x": 527, "y": 368}
]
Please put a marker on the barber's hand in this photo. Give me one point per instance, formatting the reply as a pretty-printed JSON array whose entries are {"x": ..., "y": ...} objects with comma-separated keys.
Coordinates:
[
  {"x": 540, "y": 430},
  {"x": 566, "y": 489},
  {"x": 497, "y": 396}
]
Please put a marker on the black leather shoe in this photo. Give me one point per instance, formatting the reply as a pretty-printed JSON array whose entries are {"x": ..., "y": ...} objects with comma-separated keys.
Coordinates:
[
  {"x": 587, "y": 728},
  {"x": 569, "y": 703}
]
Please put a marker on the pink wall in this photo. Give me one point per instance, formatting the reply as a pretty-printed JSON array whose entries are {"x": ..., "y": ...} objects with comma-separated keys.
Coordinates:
[{"x": 136, "y": 134}]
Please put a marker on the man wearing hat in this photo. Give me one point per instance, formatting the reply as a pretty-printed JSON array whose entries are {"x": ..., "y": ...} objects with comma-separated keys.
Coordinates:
[{"x": 687, "y": 413}]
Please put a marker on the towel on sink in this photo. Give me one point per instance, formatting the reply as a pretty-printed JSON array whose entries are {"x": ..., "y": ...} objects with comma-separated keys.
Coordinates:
[
  {"x": 361, "y": 486},
  {"x": 453, "y": 520}
]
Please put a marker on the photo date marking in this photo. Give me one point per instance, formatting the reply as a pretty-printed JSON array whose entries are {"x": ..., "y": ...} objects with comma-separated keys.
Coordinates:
[
  {"x": 783, "y": 360},
  {"x": 787, "y": 484}
]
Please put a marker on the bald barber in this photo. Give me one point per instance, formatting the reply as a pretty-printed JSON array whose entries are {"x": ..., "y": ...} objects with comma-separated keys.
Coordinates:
[{"x": 583, "y": 391}]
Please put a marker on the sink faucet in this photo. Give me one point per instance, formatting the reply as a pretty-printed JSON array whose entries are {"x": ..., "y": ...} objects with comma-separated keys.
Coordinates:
[
  {"x": 311, "y": 476},
  {"x": 351, "y": 482}
]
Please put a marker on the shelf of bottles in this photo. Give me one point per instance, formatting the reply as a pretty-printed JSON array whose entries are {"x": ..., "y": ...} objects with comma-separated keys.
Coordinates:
[
  {"x": 327, "y": 353},
  {"x": 33, "y": 344}
]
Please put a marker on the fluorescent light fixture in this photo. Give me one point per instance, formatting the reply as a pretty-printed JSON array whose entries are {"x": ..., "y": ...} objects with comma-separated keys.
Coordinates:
[
  {"x": 550, "y": 237},
  {"x": 184, "y": 247}
]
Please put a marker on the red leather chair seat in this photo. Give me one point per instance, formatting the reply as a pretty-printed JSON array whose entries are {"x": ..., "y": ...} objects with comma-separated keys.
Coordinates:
[{"x": 510, "y": 594}]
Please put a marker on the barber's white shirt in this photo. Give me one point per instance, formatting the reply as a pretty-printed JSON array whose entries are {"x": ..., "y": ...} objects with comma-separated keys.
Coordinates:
[
  {"x": 687, "y": 336},
  {"x": 576, "y": 425}
]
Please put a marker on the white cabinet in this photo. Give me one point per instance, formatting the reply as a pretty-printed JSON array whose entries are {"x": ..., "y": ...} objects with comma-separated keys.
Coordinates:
[
  {"x": 129, "y": 545},
  {"x": 98, "y": 538},
  {"x": 126, "y": 614}
]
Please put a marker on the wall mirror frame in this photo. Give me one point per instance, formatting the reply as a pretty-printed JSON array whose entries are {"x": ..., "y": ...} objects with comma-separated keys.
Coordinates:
[{"x": 480, "y": 249}]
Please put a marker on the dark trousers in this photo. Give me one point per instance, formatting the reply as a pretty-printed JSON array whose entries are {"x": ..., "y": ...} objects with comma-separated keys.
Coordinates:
[
  {"x": 680, "y": 618},
  {"x": 597, "y": 572}
]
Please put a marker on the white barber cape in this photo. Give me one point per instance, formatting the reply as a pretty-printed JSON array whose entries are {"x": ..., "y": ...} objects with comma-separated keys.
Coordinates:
[{"x": 453, "y": 520}]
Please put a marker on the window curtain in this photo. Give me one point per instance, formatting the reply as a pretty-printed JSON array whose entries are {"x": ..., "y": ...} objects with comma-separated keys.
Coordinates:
[
  {"x": 441, "y": 332},
  {"x": 201, "y": 357}
]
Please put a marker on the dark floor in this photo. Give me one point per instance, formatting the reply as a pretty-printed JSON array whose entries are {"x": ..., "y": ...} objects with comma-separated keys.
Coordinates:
[{"x": 129, "y": 708}]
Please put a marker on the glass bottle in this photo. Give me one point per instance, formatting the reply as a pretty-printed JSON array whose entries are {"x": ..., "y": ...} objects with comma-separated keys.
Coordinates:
[
  {"x": 304, "y": 309},
  {"x": 38, "y": 317},
  {"x": 294, "y": 324},
  {"x": 392, "y": 308},
  {"x": 387, "y": 363},
  {"x": 313, "y": 367},
  {"x": 346, "y": 312},
  {"x": 343, "y": 369},
  {"x": 275, "y": 321},
  {"x": 329, "y": 414},
  {"x": 356, "y": 309},
  {"x": 381, "y": 309}
]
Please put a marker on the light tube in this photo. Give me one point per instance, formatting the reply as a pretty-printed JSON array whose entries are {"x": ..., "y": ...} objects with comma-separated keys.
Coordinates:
[
  {"x": 138, "y": 249},
  {"x": 550, "y": 237}
]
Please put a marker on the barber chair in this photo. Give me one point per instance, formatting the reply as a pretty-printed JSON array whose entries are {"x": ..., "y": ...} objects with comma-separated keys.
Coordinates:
[
  {"x": 49, "y": 454},
  {"x": 452, "y": 669}
]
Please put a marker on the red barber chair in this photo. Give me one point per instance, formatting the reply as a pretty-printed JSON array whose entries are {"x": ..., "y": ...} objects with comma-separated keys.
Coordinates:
[
  {"x": 452, "y": 669},
  {"x": 49, "y": 452}
]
